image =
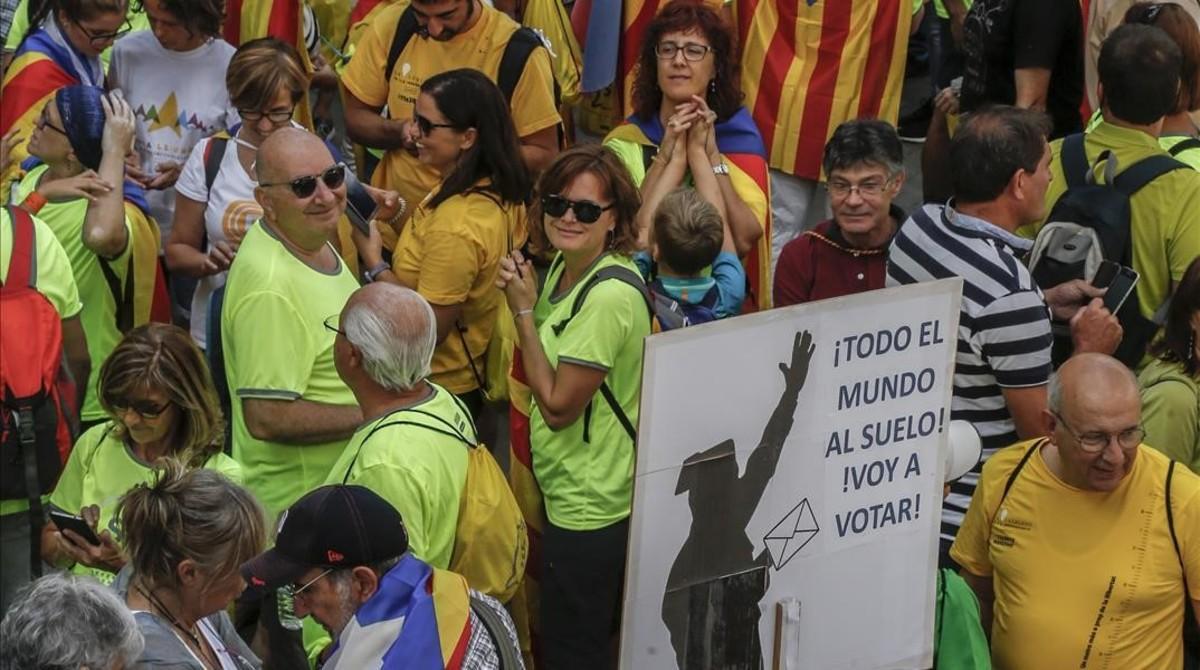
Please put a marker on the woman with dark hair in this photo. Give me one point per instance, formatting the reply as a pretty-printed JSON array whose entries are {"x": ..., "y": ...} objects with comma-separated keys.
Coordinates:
[
  {"x": 159, "y": 396},
  {"x": 581, "y": 349},
  {"x": 450, "y": 250},
  {"x": 175, "y": 73},
  {"x": 688, "y": 120},
  {"x": 101, "y": 220},
  {"x": 1171, "y": 380},
  {"x": 188, "y": 532}
]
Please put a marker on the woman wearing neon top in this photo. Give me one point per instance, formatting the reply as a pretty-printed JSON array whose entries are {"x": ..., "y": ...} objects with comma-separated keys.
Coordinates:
[
  {"x": 157, "y": 390},
  {"x": 450, "y": 250},
  {"x": 583, "y": 367},
  {"x": 63, "y": 51},
  {"x": 686, "y": 84}
]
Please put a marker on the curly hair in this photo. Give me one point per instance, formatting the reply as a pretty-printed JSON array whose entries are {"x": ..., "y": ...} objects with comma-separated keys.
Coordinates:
[
  {"x": 725, "y": 95},
  {"x": 602, "y": 163},
  {"x": 198, "y": 17}
]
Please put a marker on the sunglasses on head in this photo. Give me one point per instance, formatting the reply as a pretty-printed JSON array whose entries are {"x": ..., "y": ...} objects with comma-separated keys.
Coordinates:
[
  {"x": 305, "y": 186},
  {"x": 586, "y": 211}
]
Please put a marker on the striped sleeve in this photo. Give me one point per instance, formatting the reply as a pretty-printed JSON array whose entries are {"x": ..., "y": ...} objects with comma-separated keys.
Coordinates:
[{"x": 1013, "y": 336}]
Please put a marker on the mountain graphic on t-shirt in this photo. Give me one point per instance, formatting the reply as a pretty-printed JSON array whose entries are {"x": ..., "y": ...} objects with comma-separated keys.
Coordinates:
[{"x": 168, "y": 116}]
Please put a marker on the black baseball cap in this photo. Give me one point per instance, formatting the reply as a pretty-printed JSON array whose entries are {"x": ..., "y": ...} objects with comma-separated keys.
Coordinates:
[{"x": 336, "y": 526}]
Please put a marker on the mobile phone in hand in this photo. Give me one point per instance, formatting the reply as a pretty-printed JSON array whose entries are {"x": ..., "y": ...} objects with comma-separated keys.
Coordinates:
[
  {"x": 360, "y": 206},
  {"x": 1120, "y": 282},
  {"x": 75, "y": 524}
]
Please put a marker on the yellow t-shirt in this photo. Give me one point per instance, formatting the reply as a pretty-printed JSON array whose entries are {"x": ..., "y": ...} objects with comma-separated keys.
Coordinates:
[
  {"x": 1083, "y": 579},
  {"x": 1165, "y": 216},
  {"x": 480, "y": 48},
  {"x": 451, "y": 256}
]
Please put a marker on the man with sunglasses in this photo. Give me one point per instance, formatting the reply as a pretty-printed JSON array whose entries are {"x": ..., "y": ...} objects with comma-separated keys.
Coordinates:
[
  {"x": 1084, "y": 546},
  {"x": 443, "y": 35}
]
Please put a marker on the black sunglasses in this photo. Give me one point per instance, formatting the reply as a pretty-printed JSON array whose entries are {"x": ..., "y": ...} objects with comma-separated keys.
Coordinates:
[
  {"x": 586, "y": 211},
  {"x": 305, "y": 186},
  {"x": 143, "y": 409},
  {"x": 426, "y": 126}
]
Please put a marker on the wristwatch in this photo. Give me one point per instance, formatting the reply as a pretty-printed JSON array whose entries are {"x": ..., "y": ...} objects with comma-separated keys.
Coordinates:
[
  {"x": 721, "y": 168},
  {"x": 373, "y": 273}
]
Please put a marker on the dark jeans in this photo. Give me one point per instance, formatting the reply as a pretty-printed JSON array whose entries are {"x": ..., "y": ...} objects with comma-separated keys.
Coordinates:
[
  {"x": 945, "y": 60},
  {"x": 582, "y": 577}
]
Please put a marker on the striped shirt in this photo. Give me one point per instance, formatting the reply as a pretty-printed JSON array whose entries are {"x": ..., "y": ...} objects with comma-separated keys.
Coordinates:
[{"x": 1003, "y": 332}]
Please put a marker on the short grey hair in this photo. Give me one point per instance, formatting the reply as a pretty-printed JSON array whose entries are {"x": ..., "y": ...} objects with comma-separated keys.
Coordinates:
[
  {"x": 396, "y": 332},
  {"x": 67, "y": 621},
  {"x": 1054, "y": 394}
]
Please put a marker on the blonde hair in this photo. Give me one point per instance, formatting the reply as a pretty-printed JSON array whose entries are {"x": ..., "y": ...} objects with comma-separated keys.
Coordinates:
[
  {"x": 260, "y": 68},
  {"x": 688, "y": 231},
  {"x": 162, "y": 357},
  {"x": 194, "y": 514}
]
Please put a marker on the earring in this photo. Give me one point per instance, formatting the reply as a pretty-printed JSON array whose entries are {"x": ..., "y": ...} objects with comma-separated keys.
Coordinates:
[{"x": 712, "y": 85}]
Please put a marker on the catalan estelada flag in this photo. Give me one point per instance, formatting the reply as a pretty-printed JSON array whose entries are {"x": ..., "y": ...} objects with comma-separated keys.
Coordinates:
[
  {"x": 150, "y": 299},
  {"x": 809, "y": 65},
  {"x": 741, "y": 145},
  {"x": 524, "y": 604}
]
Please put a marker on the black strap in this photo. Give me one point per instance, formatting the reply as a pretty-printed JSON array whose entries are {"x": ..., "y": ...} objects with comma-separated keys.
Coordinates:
[
  {"x": 462, "y": 337},
  {"x": 507, "y": 652},
  {"x": 1171, "y": 523},
  {"x": 214, "y": 153},
  {"x": 1075, "y": 161},
  {"x": 617, "y": 411},
  {"x": 122, "y": 297},
  {"x": 1012, "y": 478},
  {"x": 28, "y": 436},
  {"x": 406, "y": 27},
  {"x": 512, "y": 63},
  {"x": 1186, "y": 145},
  {"x": 449, "y": 431},
  {"x": 1132, "y": 179}
]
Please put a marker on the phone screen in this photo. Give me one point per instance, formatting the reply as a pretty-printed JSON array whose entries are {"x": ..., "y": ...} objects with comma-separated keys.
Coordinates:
[
  {"x": 1105, "y": 274},
  {"x": 76, "y": 524},
  {"x": 1120, "y": 288},
  {"x": 360, "y": 206}
]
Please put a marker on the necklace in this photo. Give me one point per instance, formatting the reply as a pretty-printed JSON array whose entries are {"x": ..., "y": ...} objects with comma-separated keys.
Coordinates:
[{"x": 158, "y": 604}]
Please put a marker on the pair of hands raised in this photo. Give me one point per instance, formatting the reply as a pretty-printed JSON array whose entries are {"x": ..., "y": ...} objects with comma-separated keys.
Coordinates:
[{"x": 692, "y": 128}]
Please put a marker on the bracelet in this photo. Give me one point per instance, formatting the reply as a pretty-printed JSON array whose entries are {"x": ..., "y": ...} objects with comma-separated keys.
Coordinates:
[
  {"x": 399, "y": 213},
  {"x": 521, "y": 312},
  {"x": 721, "y": 168},
  {"x": 34, "y": 202}
]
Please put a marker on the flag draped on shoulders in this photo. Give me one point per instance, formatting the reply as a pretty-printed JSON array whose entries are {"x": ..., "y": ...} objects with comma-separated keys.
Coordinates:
[
  {"x": 150, "y": 299},
  {"x": 741, "y": 145},
  {"x": 809, "y": 65},
  {"x": 524, "y": 604},
  {"x": 419, "y": 619}
]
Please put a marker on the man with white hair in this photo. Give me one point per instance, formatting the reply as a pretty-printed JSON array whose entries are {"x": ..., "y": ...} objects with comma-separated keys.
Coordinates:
[{"x": 412, "y": 448}]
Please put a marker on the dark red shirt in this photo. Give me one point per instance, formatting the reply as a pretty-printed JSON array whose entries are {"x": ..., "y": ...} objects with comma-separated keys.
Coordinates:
[{"x": 821, "y": 264}]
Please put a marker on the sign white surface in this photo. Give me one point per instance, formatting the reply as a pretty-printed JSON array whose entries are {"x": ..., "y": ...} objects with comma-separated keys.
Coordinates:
[{"x": 758, "y": 483}]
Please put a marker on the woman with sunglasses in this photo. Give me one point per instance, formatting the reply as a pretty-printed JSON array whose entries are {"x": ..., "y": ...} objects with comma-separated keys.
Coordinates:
[
  {"x": 159, "y": 396},
  {"x": 100, "y": 219},
  {"x": 688, "y": 119},
  {"x": 188, "y": 533},
  {"x": 214, "y": 199},
  {"x": 584, "y": 371},
  {"x": 63, "y": 49},
  {"x": 450, "y": 250}
]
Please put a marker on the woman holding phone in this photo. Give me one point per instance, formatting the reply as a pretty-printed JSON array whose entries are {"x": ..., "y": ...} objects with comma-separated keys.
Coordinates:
[
  {"x": 157, "y": 391},
  {"x": 450, "y": 250}
]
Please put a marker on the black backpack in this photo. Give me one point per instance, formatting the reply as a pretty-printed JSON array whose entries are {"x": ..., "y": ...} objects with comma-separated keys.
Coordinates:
[{"x": 1091, "y": 223}]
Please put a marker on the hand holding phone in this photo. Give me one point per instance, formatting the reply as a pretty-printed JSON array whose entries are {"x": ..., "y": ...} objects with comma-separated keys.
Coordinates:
[
  {"x": 75, "y": 524},
  {"x": 1119, "y": 281},
  {"x": 360, "y": 206}
]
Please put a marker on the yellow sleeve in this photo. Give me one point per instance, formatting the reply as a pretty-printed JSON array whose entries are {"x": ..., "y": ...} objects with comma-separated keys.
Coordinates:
[
  {"x": 970, "y": 548},
  {"x": 364, "y": 76},
  {"x": 533, "y": 100},
  {"x": 450, "y": 259}
]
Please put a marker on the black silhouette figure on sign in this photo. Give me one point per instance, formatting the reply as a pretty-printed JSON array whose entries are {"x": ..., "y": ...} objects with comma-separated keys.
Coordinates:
[{"x": 711, "y": 605}]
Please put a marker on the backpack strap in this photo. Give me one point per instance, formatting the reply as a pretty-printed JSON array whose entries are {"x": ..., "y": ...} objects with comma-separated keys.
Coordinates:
[
  {"x": 507, "y": 652},
  {"x": 406, "y": 27},
  {"x": 1074, "y": 160},
  {"x": 214, "y": 153},
  {"x": 1012, "y": 477},
  {"x": 122, "y": 296},
  {"x": 449, "y": 430},
  {"x": 1186, "y": 145},
  {"x": 22, "y": 264},
  {"x": 512, "y": 63},
  {"x": 1133, "y": 178}
]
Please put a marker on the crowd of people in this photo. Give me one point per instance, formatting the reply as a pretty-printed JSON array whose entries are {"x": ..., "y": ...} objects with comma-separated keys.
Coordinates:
[{"x": 247, "y": 426}]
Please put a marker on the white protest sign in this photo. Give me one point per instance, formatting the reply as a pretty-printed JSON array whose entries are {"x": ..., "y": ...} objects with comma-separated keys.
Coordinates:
[{"x": 793, "y": 455}]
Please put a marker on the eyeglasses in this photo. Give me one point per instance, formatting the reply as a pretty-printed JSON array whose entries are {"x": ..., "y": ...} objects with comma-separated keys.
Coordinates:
[
  {"x": 44, "y": 122},
  {"x": 143, "y": 409},
  {"x": 691, "y": 51},
  {"x": 274, "y": 116},
  {"x": 426, "y": 126},
  {"x": 298, "y": 591},
  {"x": 331, "y": 323},
  {"x": 99, "y": 40},
  {"x": 586, "y": 211},
  {"x": 870, "y": 189},
  {"x": 1146, "y": 13},
  {"x": 305, "y": 186},
  {"x": 1094, "y": 443}
]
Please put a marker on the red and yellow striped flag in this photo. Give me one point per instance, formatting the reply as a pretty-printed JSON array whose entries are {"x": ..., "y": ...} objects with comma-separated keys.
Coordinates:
[
  {"x": 524, "y": 605},
  {"x": 246, "y": 20},
  {"x": 809, "y": 65}
]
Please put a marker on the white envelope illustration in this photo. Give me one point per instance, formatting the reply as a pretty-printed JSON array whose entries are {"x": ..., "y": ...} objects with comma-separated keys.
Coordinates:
[{"x": 790, "y": 535}]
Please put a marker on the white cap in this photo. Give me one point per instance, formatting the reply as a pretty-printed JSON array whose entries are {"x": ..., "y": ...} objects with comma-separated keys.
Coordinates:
[{"x": 963, "y": 449}]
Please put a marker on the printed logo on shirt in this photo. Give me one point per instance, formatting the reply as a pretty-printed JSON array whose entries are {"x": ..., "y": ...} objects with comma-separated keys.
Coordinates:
[
  {"x": 239, "y": 214},
  {"x": 169, "y": 115},
  {"x": 1008, "y": 521}
]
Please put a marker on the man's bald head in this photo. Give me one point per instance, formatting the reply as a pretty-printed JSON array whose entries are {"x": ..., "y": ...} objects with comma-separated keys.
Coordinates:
[
  {"x": 284, "y": 149},
  {"x": 395, "y": 332},
  {"x": 1089, "y": 382}
]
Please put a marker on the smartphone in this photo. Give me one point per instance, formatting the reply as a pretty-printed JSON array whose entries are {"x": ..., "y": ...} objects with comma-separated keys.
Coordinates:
[
  {"x": 1105, "y": 274},
  {"x": 1120, "y": 287},
  {"x": 360, "y": 206},
  {"x": 76, "y": 524}
]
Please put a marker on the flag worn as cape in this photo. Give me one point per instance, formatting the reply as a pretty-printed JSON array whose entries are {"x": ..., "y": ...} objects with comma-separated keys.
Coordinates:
[
  {"x": 524, "y": 605},
  {"x": 419, "y": 619},
  {"x": 740, "y": 143},
  {"x": 809, "y": 65},
  {"x": 150, "y": 298}
]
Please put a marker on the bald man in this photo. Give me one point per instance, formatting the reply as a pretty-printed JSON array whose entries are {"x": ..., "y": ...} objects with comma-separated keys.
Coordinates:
[
  {"x": 412, "y": 448},
  {"x": 292, "y": 414},
  {"x": 1068, "y": 541}
]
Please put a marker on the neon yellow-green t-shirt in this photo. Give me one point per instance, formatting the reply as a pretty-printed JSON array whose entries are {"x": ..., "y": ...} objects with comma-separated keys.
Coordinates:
[
  {"x": 100, "y": 470},
  {"x": 589, "y": 485},
  {"x": 420, "y": 470},
  {"x": 99, "y": 314},
  {"x": 54, "y": 278},
  {"x": 276, "y": 348},
  {"x": 1189, "y": 156}
]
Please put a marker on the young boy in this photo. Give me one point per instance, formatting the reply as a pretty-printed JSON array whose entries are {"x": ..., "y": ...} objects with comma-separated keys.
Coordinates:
[{"x": 687, "y": 235}]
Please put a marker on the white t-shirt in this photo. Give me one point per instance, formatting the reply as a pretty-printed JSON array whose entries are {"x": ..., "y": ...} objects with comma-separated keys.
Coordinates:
[
  {"x": 178, "y": 98},
  {"x": 230, "y": 210}
]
